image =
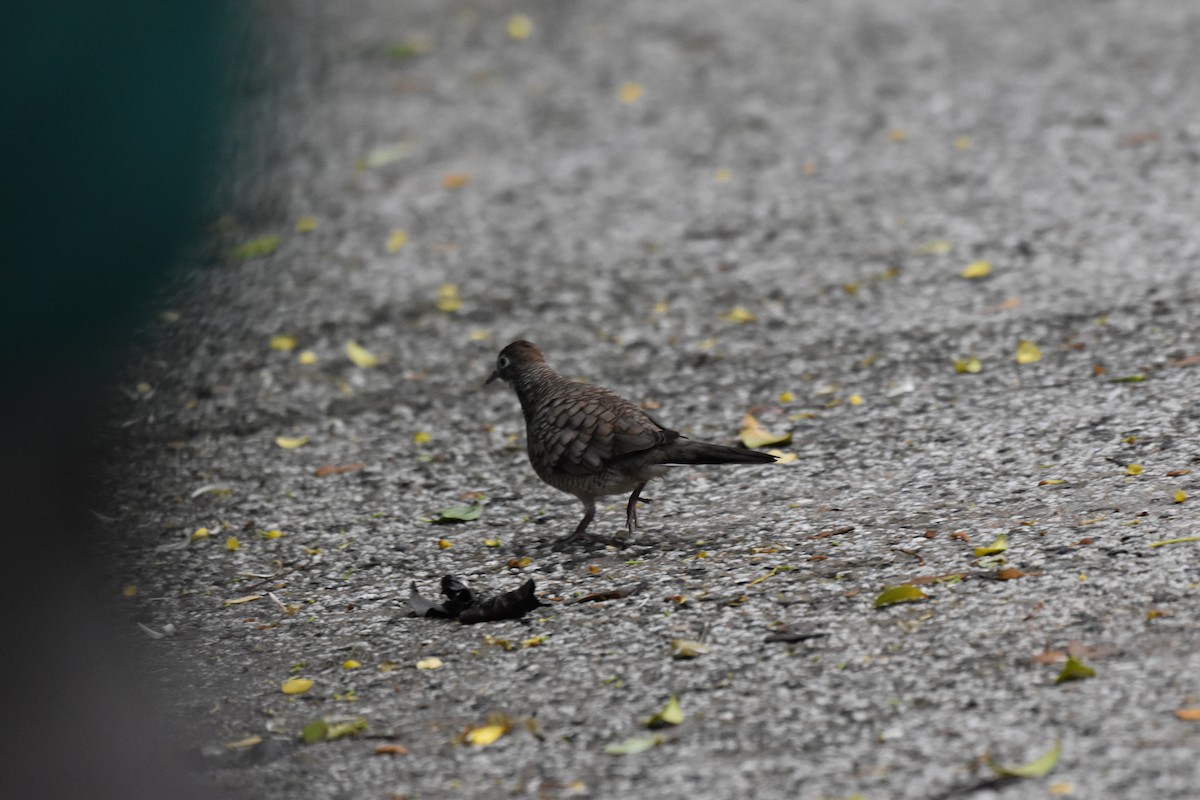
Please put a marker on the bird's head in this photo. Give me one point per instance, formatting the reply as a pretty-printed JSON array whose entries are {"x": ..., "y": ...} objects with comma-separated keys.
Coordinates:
[{"x": 514, "y": 359}]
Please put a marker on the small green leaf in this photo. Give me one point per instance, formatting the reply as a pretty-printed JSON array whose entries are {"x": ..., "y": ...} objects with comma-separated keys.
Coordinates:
[
  {"x": 634, "y": 744},
  {"x": 670, "y": 714},
  {"x": 463, "y": 513},
  {"x": 998, "y": 546},
  {"x": 1034, "y": 769},
  {"x": 1074, "y": 670},
  {"x": 315, "y": 731},
  {"x": 1138, "y": 378},
  {"x": 904, "y": 593},
  {"x": 256, "y": 248}
]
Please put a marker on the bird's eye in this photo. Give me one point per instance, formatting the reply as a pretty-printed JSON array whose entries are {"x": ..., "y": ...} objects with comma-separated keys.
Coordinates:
[{"x": 503, "y": 362}]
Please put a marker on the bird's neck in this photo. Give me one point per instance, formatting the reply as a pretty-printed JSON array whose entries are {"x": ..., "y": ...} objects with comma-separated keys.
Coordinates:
[{"x": 534, "y": 384}]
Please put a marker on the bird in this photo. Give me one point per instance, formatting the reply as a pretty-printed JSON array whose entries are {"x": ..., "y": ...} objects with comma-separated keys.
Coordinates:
[{"x": 590, "y": 442}]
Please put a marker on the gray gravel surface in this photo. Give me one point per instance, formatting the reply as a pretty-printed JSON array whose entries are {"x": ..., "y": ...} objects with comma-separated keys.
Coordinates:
[{"x": 831, "y": 167}]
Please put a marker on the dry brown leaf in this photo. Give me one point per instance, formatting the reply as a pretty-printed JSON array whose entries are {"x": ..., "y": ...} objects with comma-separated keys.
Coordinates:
[{"x": 337, "y": 469}]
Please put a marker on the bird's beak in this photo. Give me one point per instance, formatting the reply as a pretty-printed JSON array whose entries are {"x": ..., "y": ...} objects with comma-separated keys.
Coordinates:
[{"x": 495, "y": 374}]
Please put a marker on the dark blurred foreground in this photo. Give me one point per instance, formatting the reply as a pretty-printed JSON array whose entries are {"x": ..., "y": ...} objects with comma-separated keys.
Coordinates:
[{"x": 107, "y": 123}]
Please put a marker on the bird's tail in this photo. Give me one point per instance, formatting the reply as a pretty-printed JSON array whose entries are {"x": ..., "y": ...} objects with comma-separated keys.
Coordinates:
[{"x": 689, "y": 451}]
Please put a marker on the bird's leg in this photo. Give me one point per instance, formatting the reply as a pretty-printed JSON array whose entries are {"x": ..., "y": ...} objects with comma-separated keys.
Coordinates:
[
  {"x": 631, "y": 508},
  {"x": 580, "y": 534}
]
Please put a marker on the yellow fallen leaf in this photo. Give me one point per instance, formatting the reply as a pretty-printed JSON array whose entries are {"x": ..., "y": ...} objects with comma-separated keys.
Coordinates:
[
  {"x": 1180, "y": 496},
  {"x": 904, "y": 593},
  {"x": 969, "y": 366},
  {"x": 455, "y": 180},
  {"x": 350, "y": 663},
  {"x": 723, "y": 175},
  {"x": 630, "y": 93},
  {"x": 433, "y": 662},
  {"x": 897, "y": 135},
  {"x": 291, "y": 442},
  {"x": 200, "y": 533},
  {"x": 1028, "y": 352},
  {"x": 237, "y": 601},
  {"x": 284, "y": 343},
  {"x": 485, "y": 734},
  {"x": 683, "y": 649},
  {"x": 1051, "y": 482},
  {"x": 740, "y": 315},
  {"x": 360, "y": 355},
  {"x": 306, "y": 225},
  {"x": 670, "y": 714},
  {"x": 519, "y": 27},
  {"x": 1133, "y": 469},
  {"x": 143, "y": 388},
  {"x": 232, "y": 544},
  {"x": 308, "y": 358},
  {"x": 129, "y": 590},
  {"x": 938, "y": 247},
  {"x": 396, "y": 240},
  {"x": 661, "y": 307},
  {"x": 445, "y": 544},
  {"x": 755, "y": 435},
  {"x": 422, "y": 437},
  {"x": 296, "y": 685},
  {"x": 272, "y": 534},
  {"x": 1038, "y": 768},
  {"x": 783, "y": 458},
  {"x": 977, "y": 269},
  {"x": 998, "y": 546},
  {"x": 491, "y": 542},
  {"x": 786, "y": 397},
  {"x": 478, "y": 335},
  {"x": 855, "y": 400},
  {"x": 962, "y": 142},
  {"x": 534, "y": 641},
  {"x": 448, "y": 300}
]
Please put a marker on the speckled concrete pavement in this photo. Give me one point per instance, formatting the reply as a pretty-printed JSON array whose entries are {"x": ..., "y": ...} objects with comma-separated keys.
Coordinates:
[{"x": 610, "y": 187}]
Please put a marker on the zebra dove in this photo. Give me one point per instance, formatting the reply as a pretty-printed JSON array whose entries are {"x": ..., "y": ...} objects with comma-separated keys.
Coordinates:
[{"x": 589, "y": 442}]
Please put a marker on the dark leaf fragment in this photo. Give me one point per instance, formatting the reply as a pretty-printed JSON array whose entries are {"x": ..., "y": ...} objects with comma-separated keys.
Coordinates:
[
  {"x": 462, "y": 604},
  {"x": 509, "y": 605}
]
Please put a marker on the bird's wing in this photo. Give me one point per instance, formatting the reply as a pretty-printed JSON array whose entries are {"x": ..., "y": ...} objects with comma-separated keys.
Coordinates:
[{"x": 586, "y": 430}]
